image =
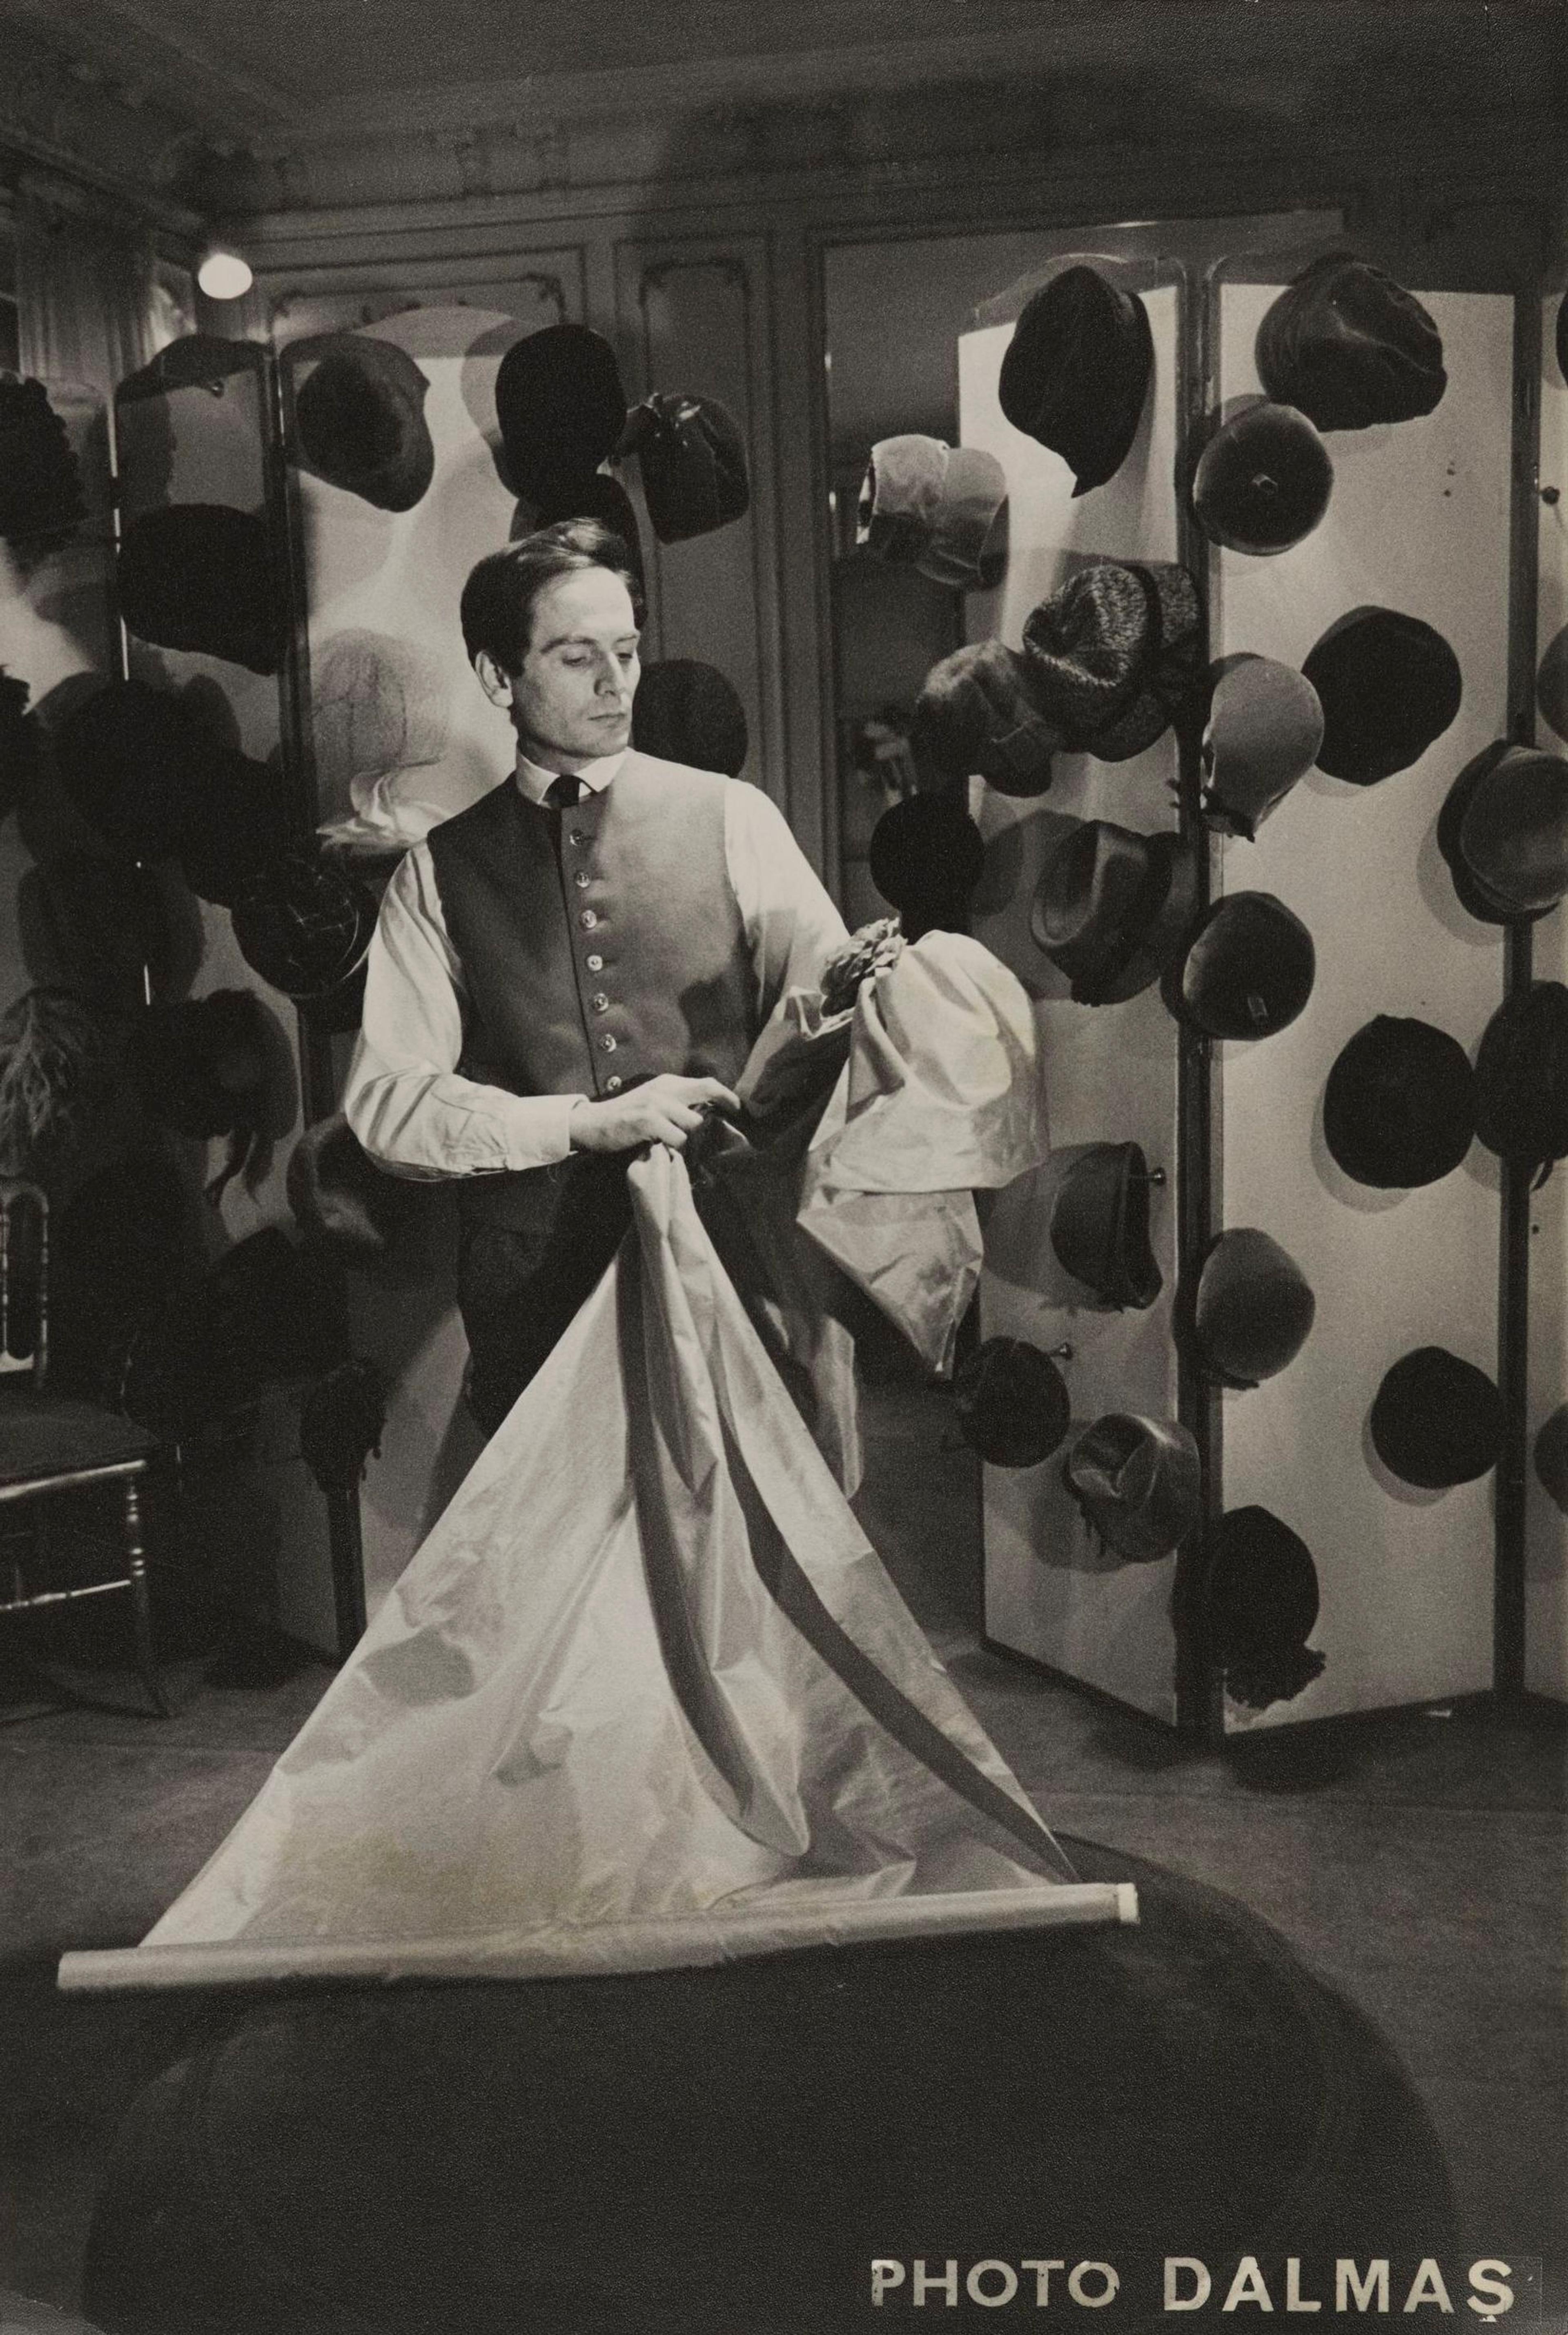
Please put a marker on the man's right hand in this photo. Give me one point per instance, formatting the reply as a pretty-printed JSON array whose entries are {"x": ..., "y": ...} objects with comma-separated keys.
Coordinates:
[{"x": 666, "y": 1109}]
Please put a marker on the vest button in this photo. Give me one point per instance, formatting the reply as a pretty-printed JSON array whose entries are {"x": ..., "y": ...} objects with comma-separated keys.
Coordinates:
[
  {"x": 577, "y": 836},
  {"x": 606, "y": 1044},
  {"x": 612, "y": 1086},
  {"x": 596, "y": 963},
  {"x": 600, "y": 1001},
  {"x": 582, "y": 880},
  {"x": 587, "y": 920}
]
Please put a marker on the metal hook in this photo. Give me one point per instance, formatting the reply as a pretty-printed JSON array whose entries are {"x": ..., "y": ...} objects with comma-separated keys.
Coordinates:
[{"x": 1062, "y": 1354}]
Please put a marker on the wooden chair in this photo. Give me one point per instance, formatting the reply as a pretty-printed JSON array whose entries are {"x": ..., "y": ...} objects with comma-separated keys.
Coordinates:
[{"x": 51, "y": 1445}]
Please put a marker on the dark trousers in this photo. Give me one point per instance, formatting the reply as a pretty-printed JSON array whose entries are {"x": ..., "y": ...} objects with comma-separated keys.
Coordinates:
[{"x": 529, "y": 1254}]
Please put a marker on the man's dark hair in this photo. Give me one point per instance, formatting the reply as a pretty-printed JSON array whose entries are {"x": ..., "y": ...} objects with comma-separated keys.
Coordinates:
[{"x": 497, "y": 608}]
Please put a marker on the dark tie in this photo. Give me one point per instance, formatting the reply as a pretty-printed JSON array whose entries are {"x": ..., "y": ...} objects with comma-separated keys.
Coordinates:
[{"x": 562, "y": 793}]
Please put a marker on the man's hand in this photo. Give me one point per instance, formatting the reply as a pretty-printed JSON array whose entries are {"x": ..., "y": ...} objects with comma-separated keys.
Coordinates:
[{"x": 666, "y": 1109}]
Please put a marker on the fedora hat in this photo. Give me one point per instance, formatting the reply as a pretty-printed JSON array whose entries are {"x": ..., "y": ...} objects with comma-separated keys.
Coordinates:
[
  {"x": 1399, "y": 1105},
  {"x": 1112, "y": 907},
  {"x": 1264, "y": 727},
  {"x": 1550, "y": 1452},
  {"x": 1012, "y": 1403},
  {"x": 304, "y": 924},
  {"x": 41, "y": 497},
  {"x": 687, "y": 711},
  {"x": 693, "y": 460},
  {"x": 1099, "y": 1224},
  {"x": 1110, "y": 655},
  {"x": 1075, "y": 375},
  {"x": 936, "y": 507},
  {"x": 1248, "y": 970},
  {"x": 926, "y": 857},
  {"x": 561, "y": 408},
  {"x": 1260, "y": 1606},
  {"x": 1351, "y": 348},
  {"x": 199, "y": 577},
  {"x": 1504, "y": 831},
  {"x": 1263, "y": 481},
  {"x": 1139, "y": 1483},
  {"x": 1522, "y": 1079},
  {"x": 1253, "y": 1310},
  {"x": 975, "y": 716},
  {"x": 337, "y": 1194},
  {"x": 1437, "y": 1420},
  {"x": 360, "y": 421},
  {"x": 341, "y": 1419},
  {"x": 1389, "y": 684}
]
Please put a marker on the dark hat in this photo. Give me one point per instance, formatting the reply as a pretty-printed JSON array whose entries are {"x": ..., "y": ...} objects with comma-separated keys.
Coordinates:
[
  {"x": 130, "y": 757},
  {"x": 936, "y": 507},
  {"x": 1550, "y": 1456},
  {"x": 360, "y": 419},
  {"x": 1504, "y": 831},
  {"x": 1013, "y": 1406},
  {"x": 304, "y": 924},
  {"x": 687, "y": 711},
  {"x": 1266, "y": 727},
  {"x": 561, "y": 408},
  {"x": 1260, "y": 1596},
  {"x": 1138, "y": 1482},
  {"x": 1099, "y": 1224},
  {"x": 233, "y": 825},
  {"x": 261, "y": 1313},
  {"x": 975, "y": 716},
  {"x": 18, "y": 740},
  {"x": 1522, "y": 1078},
  {"x": 1112, "y": 907},
  {"x": 1076, "y": 373},
  {"x": 1112, "y": 655},
  {"x": 1254, "y": 1309},
  {"x": 198, "y": 575},
  {"x": 1351, "y": 348},
  {"x": 341, "y": 1419},
  {"x": 39, "y": 479},
  {"x": 201, "y": 1065},
  {"x": 925, "y": 851},
  {"x": 1390, "y": 685},
  {"x": 1248, "y": 970},
  {"x": 1551, "y": 683},
  {"x": 1262, "y": 481},
  {"x": 600, "y": 496},
  {"x": 693, "y": 465},
  {"x": 1437, "y": 1420},
  {"x": 1399, "y": 1106},
  {"x": 339, "y": 1196}
]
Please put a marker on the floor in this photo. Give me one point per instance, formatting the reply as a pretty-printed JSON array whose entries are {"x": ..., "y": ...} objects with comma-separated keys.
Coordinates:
[{"x": 1417, "y": 1862}]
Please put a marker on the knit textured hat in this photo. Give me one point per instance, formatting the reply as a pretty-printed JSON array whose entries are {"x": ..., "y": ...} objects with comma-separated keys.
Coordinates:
[
  {"x": 1075, "y": 375},
  {"x": 1351, "y": 348},
  {"x": 976, "y": 716},
  {"x": 1112, "y": 654}
]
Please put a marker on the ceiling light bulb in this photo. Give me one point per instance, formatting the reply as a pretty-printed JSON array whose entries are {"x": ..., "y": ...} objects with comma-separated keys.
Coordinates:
[{"x": 224, "y": 276}]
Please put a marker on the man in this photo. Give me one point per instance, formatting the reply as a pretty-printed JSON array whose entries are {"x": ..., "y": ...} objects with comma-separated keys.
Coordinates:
[{"x": 576, "y": 966}]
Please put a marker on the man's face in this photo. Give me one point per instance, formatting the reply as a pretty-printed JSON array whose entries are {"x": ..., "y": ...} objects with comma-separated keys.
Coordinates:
[{"x": 572, "y": 701}]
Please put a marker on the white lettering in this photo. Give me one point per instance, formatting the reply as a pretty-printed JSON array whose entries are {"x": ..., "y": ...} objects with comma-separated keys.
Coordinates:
[
  {"x": 884, "y": 2275},
  {"x": 1247, "y": 2286},
  {"x": 1490, "y": 2281},
  {"x": 1294, "y": 2299},
  {"x": 1348, "y": 2280},
  {"x": 1079, "y": 2272},
  {"x": 946, "y": 2285},
  {"x": 1043, "y": 2270},
  {"x": 991, "y": 2301},
  {"x": 1427, "y": 2286},
  {"x": 1202, "y": 2283}
]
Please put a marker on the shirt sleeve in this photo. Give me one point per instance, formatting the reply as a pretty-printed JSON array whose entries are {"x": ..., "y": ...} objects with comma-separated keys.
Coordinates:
[
  {"x": 404, "y": 1098},
  {"x": 791, "y": 925}
]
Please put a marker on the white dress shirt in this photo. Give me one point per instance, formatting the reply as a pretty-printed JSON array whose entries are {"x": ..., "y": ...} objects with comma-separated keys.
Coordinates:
[{"x": 404, "y": 1098}]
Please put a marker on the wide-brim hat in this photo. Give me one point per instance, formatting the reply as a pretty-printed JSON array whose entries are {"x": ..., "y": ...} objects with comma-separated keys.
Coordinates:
[
  {"x": 378, "y": 704},
  {"x": 1262, "y": 481},
  {"x": 1390, "y": 685},
  {"x": 1504, "y": 831},
  {"x": 1264, "y": 729},
  {"x": 1138, "y": 1482},
  {"x": 1099, "y": 1224},
  {"x": 1351, "y": 348},
  {"x": 1551, "y": 683},
  {"x": 1012, "y": 1403},
  {"x": 941, "y": 509},
  {"x": 1253, "y": 1310},
  {"x": 1075, "y": 375},
  {"x": 925, "y": 850},
  {"x": 201, "y": 1065},
  {"x": 129, "y": 757},
  {"x": 1550, "y": 1453},
  {"x": 1260, "y": 1603},
  {"x": 1522, "y": 1078},
  {"x": 595, "y": 496},
  {"x": 693, "y": 460},
  {"x": 41, "y": 497},
  {"x": 339, "y": 1196},
  {"x": 687, "y": 711},
  {"x": 1112, "y": 655},
  {"x": 304, "y": 924},
  {"x": 1248, "y": 970},
  {"x": 1437, "y": 1420},
  {"x": 561, "y": 408},
  {"x": 1112, "y": 907},
  {"x": 975, "y": 717},
  {"x": 360, "y": 421},
  {"x": 199, "y": 577},
  {"x": 1399, "y": 1105}
]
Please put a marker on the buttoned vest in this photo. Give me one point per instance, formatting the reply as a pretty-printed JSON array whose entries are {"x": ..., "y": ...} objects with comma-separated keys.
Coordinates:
[{"x": 599, "y": 945}]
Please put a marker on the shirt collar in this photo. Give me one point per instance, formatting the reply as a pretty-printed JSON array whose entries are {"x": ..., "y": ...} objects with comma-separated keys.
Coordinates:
[{"x": 535, "y": 782}]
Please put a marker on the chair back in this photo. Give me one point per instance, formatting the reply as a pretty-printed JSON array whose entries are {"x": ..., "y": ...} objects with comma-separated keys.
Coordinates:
[{"x": 24, "y": 1278}]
